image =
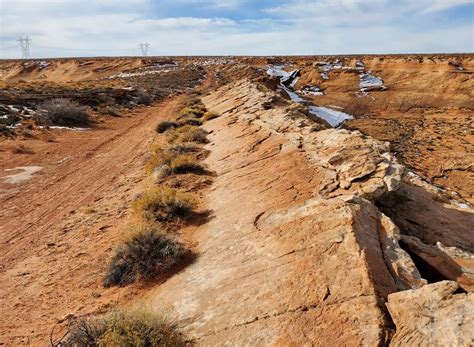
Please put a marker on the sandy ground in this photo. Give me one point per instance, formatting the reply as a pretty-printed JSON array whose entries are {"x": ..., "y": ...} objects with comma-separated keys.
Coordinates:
[{"x": 58, "y": 227}]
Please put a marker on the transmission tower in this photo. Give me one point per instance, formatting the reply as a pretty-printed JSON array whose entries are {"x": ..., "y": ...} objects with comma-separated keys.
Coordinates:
[
  {"x": 25, "y": 47},
  {"x": 144, "y": 47}
]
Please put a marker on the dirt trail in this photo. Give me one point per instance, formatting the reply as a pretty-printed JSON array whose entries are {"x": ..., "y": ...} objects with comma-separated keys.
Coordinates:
[{"x": 58, "y": 228}]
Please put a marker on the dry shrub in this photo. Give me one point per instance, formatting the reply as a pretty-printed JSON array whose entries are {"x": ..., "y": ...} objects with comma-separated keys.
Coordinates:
[
  {"x": 191, "y": 112},
  {"x": 165, "y": 163},
  {"x": 185, "y": 164},
  {"x": 188, "y": 133},
  {"x": 163, "y": 204},
  {"x": 192, "y": 121},
  {"x": 166, "y": 125},
  {"x": 5, "y": 131},
  {"x": 111, "y": 111},
  {"x": 143, "y": 97},
  {"x": 193, "y": 102},
  {"x": 22, "y": 149},
  {"x": 134, "y": 328},
  {"x": 145, "y": 254},
  {"x": 63, "y": 112},
  {"x": 183, "y": 148},
  {"x": 210, "y": 115}
]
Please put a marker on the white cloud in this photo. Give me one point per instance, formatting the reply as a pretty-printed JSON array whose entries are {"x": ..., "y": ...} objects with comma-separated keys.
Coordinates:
[
  {"x": 225, "y": 4},
  {"x": 443, "y": 5},
  {"x": 180, "y": 22},
  {"x": 296, "y": 27}
]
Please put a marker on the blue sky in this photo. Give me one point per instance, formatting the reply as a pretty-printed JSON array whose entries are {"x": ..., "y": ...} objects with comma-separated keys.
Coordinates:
[{"x": 236, "y": 27}]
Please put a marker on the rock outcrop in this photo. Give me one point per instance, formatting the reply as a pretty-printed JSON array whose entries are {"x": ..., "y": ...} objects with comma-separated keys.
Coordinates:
[
  {"x": 296, "y": 251},
  {"x": 432, "y": 316}
]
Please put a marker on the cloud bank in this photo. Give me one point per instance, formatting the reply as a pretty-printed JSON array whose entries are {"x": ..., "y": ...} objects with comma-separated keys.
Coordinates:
[{"x": 236, "y": 27}]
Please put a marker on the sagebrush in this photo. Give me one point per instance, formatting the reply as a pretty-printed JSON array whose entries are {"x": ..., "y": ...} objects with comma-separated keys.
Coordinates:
[
  {"x": 163, "y": 204},
  {"x": 63, "y": 112},
  {"x": 145, "y": 254},
  {"x": 134, "y": 328}
]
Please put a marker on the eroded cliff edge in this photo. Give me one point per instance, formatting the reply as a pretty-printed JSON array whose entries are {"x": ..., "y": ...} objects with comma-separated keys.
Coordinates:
[{"x": 298, "y": 251}]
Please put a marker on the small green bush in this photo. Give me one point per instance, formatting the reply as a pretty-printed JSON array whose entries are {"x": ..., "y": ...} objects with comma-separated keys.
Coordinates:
[
  {"x": 144, "y": 255},
  {"x": 163, "y": 204},
  {"x": 62, "y": 112},
  {"x": 135, "y": 328}
]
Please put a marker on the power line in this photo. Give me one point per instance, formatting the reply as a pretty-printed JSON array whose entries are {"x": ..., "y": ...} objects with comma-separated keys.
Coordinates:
[
  {"x": 144, "y": 47},
  {"x": 26, "y": 42},
  {"x": 86, "y": 49},
  {"x": 25, "y": 47}
]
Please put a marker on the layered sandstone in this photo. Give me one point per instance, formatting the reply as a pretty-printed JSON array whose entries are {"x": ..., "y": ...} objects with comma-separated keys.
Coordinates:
[{"x": 296, "y": 251}]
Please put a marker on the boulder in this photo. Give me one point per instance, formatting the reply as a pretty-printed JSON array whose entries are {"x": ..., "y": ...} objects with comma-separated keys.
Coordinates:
[{"x": 432, "y": 316}]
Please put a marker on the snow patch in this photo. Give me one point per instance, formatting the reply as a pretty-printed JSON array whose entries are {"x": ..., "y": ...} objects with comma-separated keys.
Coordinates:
[
  {"x": 312, "y": 90},
  {"x": 333, "y": 117},
  {"x": 370, "y": 82},
  {"x": 61, "y": 127},
  {"x": 24, "y": 175}
]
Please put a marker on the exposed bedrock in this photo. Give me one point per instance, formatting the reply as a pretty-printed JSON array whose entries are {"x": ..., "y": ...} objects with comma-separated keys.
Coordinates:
[
  {"x": 296, "y": 251},
  {"x": 432, "y": 316}
]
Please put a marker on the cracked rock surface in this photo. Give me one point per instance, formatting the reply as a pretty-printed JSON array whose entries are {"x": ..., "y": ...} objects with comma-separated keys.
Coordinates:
[
  {"x": 432, "y": 316},
  {"x": 281, "y": 261},
  {"x": 296, "y": 251}
]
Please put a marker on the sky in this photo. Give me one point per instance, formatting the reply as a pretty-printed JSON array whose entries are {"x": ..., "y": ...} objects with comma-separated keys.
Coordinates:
[{"x": 59, "y": 28}]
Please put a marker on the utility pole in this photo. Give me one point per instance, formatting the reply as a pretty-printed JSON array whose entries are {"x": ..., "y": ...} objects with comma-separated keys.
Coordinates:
[
  {"x": 25, "y": 47},
  {"x": 144, "y": 47}
]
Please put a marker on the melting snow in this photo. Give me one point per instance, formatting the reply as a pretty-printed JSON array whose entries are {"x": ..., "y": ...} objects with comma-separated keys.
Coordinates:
[
  {"x": 277, "y": 71},
  {"x": 333, "y": 117},
  {"x": 312, "y": 90},
  {"x": 370, "y": 82},
  {"x": 43, "y": 64},
  {"x": 24, "y": 175},
  {"x": 61, "y": 127}
]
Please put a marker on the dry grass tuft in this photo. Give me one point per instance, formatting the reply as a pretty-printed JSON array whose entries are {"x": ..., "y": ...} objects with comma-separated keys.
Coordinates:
[
  {"x": 192, "y": 121},
  {"x": 210, "y": 115},
  {"x": 163, "y": 204},
  {"x": 194, "y": 111},
  {"x": 166, "y": 125},
  {"x": 134, "y": 328},
  {"x": 22, "y": 149},
  {"x": 185, "y": 164},
  {"x": 188, "y": 133},
  {"x": 145, "y": 254},
  {"x": 183, "y": 148}
]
